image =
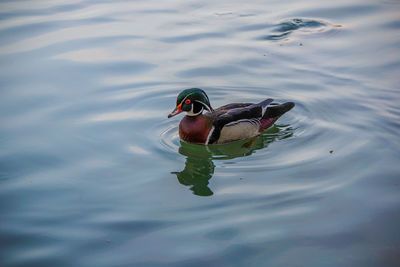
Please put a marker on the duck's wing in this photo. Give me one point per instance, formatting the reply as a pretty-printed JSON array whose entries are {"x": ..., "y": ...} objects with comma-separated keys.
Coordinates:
[{"x": 237, "y": 121}]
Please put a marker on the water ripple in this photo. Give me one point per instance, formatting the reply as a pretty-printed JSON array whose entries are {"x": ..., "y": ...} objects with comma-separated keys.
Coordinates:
[
  {"x": 287, "y": 27},
  {"x": 300, "y": 134},
  {"x": 192, "y": 37}
]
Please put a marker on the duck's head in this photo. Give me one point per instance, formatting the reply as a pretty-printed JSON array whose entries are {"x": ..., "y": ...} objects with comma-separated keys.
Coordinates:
[{"x": 193, "y": 101}]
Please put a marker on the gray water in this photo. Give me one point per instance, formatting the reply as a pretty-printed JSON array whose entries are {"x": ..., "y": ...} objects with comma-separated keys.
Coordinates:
[{"x": 92, "y": 173}]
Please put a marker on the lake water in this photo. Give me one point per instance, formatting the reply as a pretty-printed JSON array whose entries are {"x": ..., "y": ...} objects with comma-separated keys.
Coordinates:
[{"x": 92, "y": 173}]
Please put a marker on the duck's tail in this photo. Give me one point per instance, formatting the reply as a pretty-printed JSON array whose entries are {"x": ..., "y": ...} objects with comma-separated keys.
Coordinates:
[{"x": 273, "y": 112}]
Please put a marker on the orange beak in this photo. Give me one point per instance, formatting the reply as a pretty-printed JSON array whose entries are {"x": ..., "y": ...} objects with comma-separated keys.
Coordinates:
[{"x": 176, "y": 111}]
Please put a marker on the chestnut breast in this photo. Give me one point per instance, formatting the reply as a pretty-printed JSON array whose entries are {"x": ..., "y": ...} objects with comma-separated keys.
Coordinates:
[{"x": 194, "y": 129}]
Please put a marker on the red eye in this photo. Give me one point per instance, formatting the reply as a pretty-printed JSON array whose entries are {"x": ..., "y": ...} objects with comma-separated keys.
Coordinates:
[{"x": 187, "y": 101}]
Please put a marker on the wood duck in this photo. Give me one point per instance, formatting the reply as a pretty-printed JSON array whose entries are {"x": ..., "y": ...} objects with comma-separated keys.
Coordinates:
[{"x": 225, "y": 124}]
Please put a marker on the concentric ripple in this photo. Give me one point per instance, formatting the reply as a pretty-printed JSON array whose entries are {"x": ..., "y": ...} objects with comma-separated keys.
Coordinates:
[
  {"x": 298, "y": 139},
  {"x": 280, "y": 147}
]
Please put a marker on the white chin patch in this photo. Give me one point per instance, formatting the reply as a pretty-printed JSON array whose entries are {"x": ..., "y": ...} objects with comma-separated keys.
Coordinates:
[{"x": 191, "y": 113}]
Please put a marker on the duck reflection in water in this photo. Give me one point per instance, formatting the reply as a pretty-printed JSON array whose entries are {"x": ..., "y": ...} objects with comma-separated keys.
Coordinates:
[{"x": 199, "y": 165}]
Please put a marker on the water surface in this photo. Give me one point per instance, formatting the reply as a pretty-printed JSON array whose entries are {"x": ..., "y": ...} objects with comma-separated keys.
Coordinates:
[{"x": 92, "y": 173}]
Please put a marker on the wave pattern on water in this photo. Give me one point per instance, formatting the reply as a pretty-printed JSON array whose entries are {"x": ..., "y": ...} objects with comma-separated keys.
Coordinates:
[{"x": 298, "y": 25}]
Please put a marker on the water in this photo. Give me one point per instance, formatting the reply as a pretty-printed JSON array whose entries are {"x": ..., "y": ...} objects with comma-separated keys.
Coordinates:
[{"x": 92, "y": 173}]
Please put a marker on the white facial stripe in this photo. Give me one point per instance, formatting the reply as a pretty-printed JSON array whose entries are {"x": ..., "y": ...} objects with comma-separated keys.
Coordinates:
[
  {"x": 204, "y": 93},
  {"x": 185, "y": 98},
  {"x": 205, "y": 105}
]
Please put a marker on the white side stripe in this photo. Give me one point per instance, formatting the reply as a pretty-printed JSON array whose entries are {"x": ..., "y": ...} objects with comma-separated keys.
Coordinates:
[{"x": 209, "y": 135}]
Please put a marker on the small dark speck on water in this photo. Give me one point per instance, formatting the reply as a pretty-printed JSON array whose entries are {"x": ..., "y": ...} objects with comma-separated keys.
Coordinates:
[{"x": 331, "y": 151}]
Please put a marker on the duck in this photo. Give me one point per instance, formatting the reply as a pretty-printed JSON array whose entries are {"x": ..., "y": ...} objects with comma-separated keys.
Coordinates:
[{"x": 229, "y": 123}]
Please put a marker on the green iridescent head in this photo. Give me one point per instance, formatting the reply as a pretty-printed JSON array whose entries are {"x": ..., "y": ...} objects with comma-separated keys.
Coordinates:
[{"x": 193, "y": 101}]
